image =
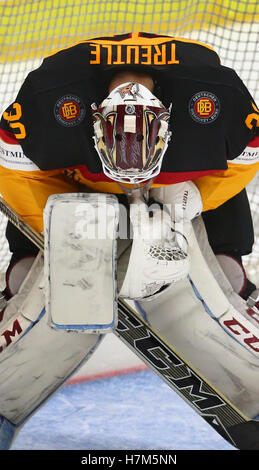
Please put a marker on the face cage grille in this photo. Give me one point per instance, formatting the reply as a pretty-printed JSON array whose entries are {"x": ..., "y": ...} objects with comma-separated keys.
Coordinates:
[{"x": 120, "y": 177}]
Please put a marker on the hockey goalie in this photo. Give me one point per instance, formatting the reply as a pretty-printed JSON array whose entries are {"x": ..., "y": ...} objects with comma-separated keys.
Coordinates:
[{"x": 131, "y": 155}]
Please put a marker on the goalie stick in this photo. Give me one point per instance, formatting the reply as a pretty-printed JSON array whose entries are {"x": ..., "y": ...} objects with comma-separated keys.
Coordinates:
[{"x": 169, "y": 365}]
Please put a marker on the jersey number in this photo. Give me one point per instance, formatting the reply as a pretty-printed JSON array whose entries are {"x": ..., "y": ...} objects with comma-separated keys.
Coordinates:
[
  {"x": 252, "y": 117},
  {"x": 13, "y": 117}
]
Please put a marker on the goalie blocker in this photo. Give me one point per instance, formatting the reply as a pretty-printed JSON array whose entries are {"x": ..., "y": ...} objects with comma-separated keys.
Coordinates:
[{"x": 80, "y": 252}]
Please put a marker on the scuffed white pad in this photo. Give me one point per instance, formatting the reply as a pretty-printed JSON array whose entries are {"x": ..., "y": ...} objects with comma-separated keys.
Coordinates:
[{"x": 80, "y": 252}]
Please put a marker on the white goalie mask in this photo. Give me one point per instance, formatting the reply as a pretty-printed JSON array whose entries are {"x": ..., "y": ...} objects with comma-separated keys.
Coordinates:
[{"x": 131, "y": 133}]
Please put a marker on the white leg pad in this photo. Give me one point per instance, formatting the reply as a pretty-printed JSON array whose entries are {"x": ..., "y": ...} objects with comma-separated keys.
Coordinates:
[{"x": 80, "y": 254}]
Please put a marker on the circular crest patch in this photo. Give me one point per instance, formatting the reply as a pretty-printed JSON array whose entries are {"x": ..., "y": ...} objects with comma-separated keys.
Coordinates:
[
  {"x": 204, "y": 107},
  {"x": 69, "y": 110}
]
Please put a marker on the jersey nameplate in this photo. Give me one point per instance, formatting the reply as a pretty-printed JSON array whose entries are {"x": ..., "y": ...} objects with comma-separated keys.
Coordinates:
[{"x": 114, "y": 54}]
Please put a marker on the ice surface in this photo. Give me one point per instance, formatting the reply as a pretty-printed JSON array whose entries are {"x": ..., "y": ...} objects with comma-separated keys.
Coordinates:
[{"x": 133, "y": 411}]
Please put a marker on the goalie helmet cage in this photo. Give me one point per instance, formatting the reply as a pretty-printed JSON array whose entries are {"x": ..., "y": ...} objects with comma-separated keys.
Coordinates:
[{"x": 31, "y": 30}]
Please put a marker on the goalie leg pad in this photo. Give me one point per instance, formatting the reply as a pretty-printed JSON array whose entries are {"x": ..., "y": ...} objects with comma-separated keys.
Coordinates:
[
  {"x": 24, "y": 309},
  {"x": 80, "y": 251},
  {"x": 35, "y": 359},
  {"x": 234, "y": 272}
]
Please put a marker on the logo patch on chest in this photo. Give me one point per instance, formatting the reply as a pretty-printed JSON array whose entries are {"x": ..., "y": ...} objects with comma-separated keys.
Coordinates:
[
  {"x": 69, "y": 110},
  {"x": 204, "y": 107}
]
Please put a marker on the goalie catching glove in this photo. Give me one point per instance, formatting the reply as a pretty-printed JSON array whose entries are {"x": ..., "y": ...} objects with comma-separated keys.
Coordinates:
[{"x": 156, "y": 259}]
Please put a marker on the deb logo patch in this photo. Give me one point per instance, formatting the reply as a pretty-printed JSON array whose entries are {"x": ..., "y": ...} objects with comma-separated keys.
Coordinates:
[
  {"x": 204, "y": 107},
  {"x": 69, "y": 110}
]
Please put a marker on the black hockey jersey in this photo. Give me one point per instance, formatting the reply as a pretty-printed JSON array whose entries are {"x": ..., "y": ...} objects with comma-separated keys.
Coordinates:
[
  {"x": 46, "y": 144},
  {"x": 210, "y": 104}
]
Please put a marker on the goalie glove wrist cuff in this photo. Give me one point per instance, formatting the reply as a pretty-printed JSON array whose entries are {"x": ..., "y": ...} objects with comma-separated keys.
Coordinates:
[{"x": 183, "y": 199}]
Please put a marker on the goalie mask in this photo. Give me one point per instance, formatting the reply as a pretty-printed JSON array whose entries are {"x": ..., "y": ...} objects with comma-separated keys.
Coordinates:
[{"x": 131, "y": 133}]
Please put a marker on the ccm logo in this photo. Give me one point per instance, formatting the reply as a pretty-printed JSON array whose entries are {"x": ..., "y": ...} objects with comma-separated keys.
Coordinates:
[
  {"x": 7, "y": 335},
  {"x": 240, "y": 330}
]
